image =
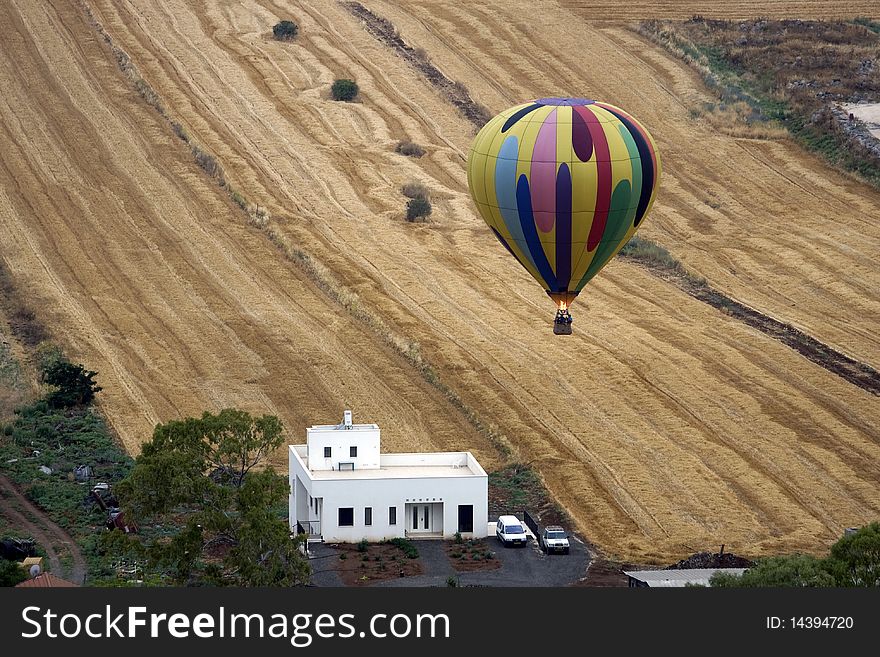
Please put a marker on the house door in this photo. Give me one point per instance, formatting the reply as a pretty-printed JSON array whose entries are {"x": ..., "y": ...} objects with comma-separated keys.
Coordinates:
[{"x": 420, "y": 520}]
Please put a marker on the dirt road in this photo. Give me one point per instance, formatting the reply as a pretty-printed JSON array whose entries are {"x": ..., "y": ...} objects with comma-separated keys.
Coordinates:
[
  {"x": 663, "y": 426},
  {"x": 30, "y": 520}
]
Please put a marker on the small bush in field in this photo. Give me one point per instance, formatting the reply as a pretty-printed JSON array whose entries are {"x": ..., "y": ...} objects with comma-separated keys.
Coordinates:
[
  {"x": 344, "y": 89},
  {"x": 416, "y": 190},
  {"x": 418, "y": 208},
  {"x": 409, "y": 148},
  {"x": 285, "y": 30}
]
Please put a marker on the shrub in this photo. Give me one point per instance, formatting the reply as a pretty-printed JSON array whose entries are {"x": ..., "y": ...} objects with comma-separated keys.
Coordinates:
[
  {"x": 343, "y": 556},
  {"x": 74, "y": 384},
  {"x": 458, "y": 538},
  {"x": 11, "y": 573},
  {"x": 344, "y": 89},
  {"x": 417, "y": 208},
  {"x": 409, "y": 148},
  {"x": 362, "y": 545},
  {"x": 285, "y": 30},
  {"x": 406, "y": 546},
  {"x": 451, "y": 581},
  {"x": 416, "y": 190}
]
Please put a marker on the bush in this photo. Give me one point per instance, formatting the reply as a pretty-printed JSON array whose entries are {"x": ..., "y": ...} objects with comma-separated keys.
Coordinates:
[
  {"x": 285, "y": 30},
  {"x": 458, "y": 538},
  {"x": 418, "y": 208},
  {"x": 406, "y": 546},
  {"x": 409, "y": 148},
  {"x": 416, "y": 190},
  {"x": 11, "y": 573},
  {"x": 362, "y": 545},
  {"x": 75, "y": 385},
  {"x": 344, "y": 89}
]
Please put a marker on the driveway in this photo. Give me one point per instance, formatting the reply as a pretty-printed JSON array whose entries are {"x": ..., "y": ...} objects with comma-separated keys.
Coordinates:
[{"x": 520, "y": 566}]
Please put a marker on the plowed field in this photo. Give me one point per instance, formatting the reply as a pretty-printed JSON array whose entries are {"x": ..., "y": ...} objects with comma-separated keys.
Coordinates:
[{"x": 663, "y": 426}]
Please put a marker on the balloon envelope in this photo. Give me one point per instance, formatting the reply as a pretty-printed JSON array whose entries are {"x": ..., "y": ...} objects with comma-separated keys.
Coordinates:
[{"x": 563, "y": 183}]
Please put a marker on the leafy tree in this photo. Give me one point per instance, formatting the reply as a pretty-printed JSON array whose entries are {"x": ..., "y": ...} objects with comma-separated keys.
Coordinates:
[
  {"x": 74, "y": 385},
  {"x": 792, "y": 570},
  {"x": 285, "y": 30},
  {"x": 11, "y": 573},
  {"x": 344, "y": 89},
  {"x": 855, "y": 559},
  {"x": 417, "y": 208},
  {"x": 205, "y": 470}
]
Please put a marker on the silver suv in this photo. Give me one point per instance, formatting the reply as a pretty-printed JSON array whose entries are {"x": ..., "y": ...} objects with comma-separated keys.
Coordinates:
[{"x": 554, "y": 539}]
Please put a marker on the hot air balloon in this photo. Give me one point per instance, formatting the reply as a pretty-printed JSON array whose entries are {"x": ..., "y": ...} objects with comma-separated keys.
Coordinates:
[{"x": 563, "y": 183}]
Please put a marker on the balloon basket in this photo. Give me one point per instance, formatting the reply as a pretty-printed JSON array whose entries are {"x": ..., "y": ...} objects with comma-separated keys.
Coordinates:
[{"x": 562, "y": 323}]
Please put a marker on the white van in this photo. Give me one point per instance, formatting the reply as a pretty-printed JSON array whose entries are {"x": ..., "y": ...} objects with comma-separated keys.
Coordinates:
[{"x": 510, "y": 531}]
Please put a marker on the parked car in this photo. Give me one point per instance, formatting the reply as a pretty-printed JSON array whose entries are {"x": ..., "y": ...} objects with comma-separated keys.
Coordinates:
[
  {"x": 511, "y": 531},
  {"x": 554, "y": 539}
]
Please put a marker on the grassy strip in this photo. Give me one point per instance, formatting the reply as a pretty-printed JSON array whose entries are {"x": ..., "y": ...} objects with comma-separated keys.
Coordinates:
[
  {"x": 864, "y": 21},
  {"x": 657, "y": 258},
  {"x": 659, "y": 261},
  {"x": 455, "y": 92},
  {"x": 323, "y": 278}
]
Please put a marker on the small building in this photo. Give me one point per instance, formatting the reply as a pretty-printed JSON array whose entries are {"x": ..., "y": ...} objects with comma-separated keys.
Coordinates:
[
  {"x": 676, "y": 578},
  {"x": 342, "y": 489},
  {"x": 30, "y": 562}
]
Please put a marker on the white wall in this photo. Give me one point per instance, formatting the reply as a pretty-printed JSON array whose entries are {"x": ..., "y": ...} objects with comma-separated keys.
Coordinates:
[
  {"x": 425, "y": 458},
  {"x": 339, "y": 441},
  {"x": 380, "y": 494}
]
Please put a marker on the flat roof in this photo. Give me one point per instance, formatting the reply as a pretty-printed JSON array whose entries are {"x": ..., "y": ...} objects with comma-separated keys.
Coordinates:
[
  {"x": 680, "y": 577},
  {"x": 386, "y": 471},
  {"x": 342, "y": 427}
]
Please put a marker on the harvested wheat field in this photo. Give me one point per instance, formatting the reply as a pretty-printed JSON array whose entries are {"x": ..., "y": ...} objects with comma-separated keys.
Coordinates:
[{"x": 662, "y": 425}]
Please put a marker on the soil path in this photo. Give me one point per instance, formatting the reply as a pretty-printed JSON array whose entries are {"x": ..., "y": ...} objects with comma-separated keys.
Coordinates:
[{"x": 27, "y": 518}]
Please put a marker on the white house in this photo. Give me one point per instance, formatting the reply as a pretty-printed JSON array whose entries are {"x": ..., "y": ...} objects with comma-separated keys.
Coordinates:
[{"x": 342, "y": 489}]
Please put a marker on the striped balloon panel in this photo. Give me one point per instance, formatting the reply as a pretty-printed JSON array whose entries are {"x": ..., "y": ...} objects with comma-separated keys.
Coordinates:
[{"x": 563, "y": 184}]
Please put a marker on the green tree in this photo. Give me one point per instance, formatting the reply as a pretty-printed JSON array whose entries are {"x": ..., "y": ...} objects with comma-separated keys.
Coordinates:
[
  {"x": 205, "y": 470},
  {"x": 855, "y": 559},
  {"x": 74, "y": 385},
  {"x": 285, "y": 30},
  {"x": 11, "y": 573},
  {"x": 417, "y": 207},
  {"x": 344, "y": 89},
  {"x": 791, "y": 570}
]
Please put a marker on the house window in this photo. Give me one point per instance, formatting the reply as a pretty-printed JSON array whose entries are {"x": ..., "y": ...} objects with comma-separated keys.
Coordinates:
[
  {"x": 368, "y": 516},
  {"x": 465, "y": 518},
  {"x": 353, "y": 451},
  {"x": 326, "y": 452},
  {"x": 392, "y": 515},
  {"x": 346, "y": 517}
]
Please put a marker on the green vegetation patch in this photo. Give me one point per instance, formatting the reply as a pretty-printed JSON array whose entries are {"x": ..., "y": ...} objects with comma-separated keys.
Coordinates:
[{"x": 793, "y": 73}]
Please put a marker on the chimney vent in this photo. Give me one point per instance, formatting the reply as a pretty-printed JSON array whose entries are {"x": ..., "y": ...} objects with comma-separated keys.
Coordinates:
[{"x": 346, "y": 419}]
